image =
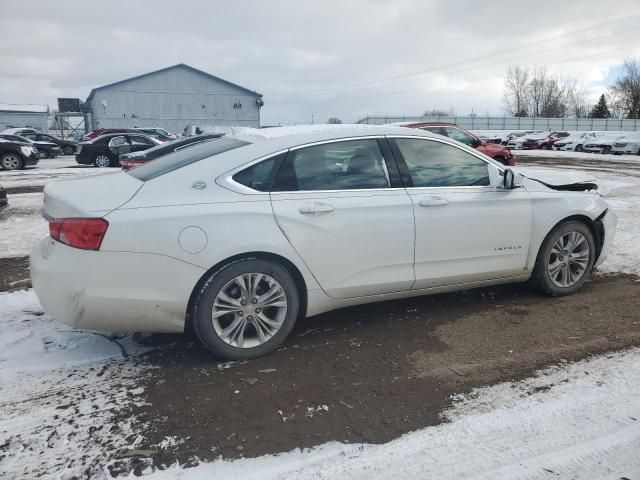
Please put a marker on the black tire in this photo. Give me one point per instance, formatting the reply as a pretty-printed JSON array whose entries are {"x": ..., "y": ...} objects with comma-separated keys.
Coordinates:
[
  {"x": 541, "y": 278},
  {"x": 501, "y": 159},
  {"x": 98, "y": 157},
  {"x": 68, "y": 150},
  {"x": 11, "y": 161},
  {"x": 579, "y": 148},
  {"x": 202, "y": 315},
  {"x": 606, "y": 150}
]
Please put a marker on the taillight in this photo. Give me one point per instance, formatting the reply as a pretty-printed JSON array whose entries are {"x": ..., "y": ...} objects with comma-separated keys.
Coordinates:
[
  {"x": 84, "y": 233},
  {"x": 129, "y": 164}
]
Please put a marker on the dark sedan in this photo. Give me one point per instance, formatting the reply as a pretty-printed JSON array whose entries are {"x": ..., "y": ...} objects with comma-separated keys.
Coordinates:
[
  {"x": 15, "y": 155},
  {"x": 66, "y": 146},
  {"x": 104, "y": 150},
  {"x": 44, "y": 149},
  {"x": 130, "y": 160}
]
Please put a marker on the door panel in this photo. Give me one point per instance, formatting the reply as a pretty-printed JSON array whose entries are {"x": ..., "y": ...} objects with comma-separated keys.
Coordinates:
[
  {"x": 354, "y": 243},
  {"x": 334, "y": 203},
  {"x": 466, "y": 229},
  {"x": 471, "y": 235}
]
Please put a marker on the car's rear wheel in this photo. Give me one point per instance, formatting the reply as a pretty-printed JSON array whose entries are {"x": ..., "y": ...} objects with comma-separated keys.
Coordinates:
[
  {"x": 246, "y": 309},
  {"x": 68, "y": 150},
  {"x": 565, "y": 259},
  {"x": 579, "y": 148},
  {"x": 102, "y": 160},
  {"x": 606, "y": 149},
  {"x": 11, "y": 161}
]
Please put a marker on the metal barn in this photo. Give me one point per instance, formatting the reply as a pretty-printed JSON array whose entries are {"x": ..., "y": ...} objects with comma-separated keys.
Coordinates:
[
  {"x": 172, "y": 98},
  {"x": 15, "y": 116}
]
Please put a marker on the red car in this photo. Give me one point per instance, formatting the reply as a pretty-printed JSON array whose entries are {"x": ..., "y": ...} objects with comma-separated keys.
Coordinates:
[
  {"x": 498, "y": 152},
  {"x": 547, "y": 143}
]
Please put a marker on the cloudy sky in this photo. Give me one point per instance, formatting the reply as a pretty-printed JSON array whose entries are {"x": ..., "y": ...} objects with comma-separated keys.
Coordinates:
[{"x": 322, "y": 58}]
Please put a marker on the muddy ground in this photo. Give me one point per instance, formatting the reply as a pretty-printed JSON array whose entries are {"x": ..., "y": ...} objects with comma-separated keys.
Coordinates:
[{"x": 381, "y": 370}]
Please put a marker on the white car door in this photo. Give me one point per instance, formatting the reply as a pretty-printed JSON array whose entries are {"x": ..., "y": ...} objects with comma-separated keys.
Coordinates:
[
  {"x": 466, "y": 230},
  {"x": 350, "y": 221}
]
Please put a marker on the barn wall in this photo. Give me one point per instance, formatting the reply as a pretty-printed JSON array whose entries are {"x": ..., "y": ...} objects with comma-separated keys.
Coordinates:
[
  {"x": 172, "y": 99},
  {"x": 39, "y": 121}
]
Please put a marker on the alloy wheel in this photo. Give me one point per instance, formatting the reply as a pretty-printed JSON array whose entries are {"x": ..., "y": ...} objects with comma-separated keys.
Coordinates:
[
  {"x": 568, "y": 259},
  {"x": 249, "y": 310},
  {"x": 10, "y": 161},
  {"x": 102, "y": 161}
]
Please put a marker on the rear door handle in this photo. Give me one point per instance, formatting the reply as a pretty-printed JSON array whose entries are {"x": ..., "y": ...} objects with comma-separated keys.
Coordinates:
[
  {"x": 433, "y": 201},
  {"x": 316, "y": 208}
]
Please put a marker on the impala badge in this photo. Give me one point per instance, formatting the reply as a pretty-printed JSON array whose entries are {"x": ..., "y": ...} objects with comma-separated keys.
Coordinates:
[{"x": 199, "y": 185}]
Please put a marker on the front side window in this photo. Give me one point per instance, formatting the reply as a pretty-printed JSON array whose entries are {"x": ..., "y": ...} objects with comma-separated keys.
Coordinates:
[
  {"x": 435, "y": 164},
  {"x": 460, "y": 136},
  {"x": 136, "y": 140},
  {"x": 348, "y": 165}
]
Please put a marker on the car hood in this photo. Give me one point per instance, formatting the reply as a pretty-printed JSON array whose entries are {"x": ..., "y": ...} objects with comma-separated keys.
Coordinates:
[
  {"x": 558, "y": 179},
  {"x": 495, "y": 148},
  {"x": 93, "y": 196}
]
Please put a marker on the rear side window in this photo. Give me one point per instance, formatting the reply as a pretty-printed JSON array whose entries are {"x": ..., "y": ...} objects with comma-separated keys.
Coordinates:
[
  {"x": 182, "y": 158},
  {"x": 348, "y": 165},
  {"x": 259, "y": 176}
]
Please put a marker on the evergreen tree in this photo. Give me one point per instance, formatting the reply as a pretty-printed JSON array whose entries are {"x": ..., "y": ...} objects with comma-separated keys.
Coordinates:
[{"x": 601, "y": 109}]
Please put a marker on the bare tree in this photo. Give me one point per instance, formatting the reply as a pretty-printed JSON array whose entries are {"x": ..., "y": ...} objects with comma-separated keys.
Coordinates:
[
  {"x": 516, "y": 85},
  {"x": 434, "y": 112},
  {"x": 579, "y": 105},
  {"x": 616, "y": 105},
  {"x": 627, "y": 88},
  {"x": 334, "y": 120}
]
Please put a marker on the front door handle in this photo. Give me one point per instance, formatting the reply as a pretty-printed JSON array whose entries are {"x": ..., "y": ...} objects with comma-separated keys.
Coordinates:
[
  {"x": 316, "y": 208},
  {"x": 433, "y": 201}
]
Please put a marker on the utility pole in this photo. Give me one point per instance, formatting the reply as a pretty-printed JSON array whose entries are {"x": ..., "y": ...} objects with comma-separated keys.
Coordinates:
[{"x": 312, "y": 119}]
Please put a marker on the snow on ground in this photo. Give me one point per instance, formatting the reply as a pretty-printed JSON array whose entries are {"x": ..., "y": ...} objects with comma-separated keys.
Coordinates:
[
  {"x": 576, "y": 421},
  {"x": 21, "y": 224},
  {"x": 60, "y": 391},
  {"x": 46, "y": 171},
  {"x": 561, "y": 154}
]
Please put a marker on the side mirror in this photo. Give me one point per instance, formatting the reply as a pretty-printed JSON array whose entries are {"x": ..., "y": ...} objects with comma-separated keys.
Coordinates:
[{"x": 511, "y": 180}]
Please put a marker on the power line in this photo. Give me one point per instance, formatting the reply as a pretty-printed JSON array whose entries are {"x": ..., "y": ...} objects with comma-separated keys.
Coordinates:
[{"x": 389, "y": 80}]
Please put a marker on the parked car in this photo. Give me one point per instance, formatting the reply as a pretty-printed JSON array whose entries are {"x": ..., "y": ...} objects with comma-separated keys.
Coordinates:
[
  {"x": 628, "y": 144},
  {"x": 103, "y": 131},
  {"x": 133, "y": 159},
  {"x": 576, "y": 141},
  {"x": 547, "y": 144},
  {"x": 67, "y": 147},
  {"x": 528, "y": 141},
  {"x": 43, "y": 149},
  {"x": 103, "y": 152},
  {"x": 158, "y": 133},
  {"x": 495, "y": 151},
  {"x": 15, "y": 155},
  {"x": 3, "y": 198},
  {"x": 602, "y": 144},
  {"x": 240, "y": 237}
]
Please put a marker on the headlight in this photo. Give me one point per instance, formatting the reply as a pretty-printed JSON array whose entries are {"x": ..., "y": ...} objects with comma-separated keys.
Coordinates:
[{"x": 26, "y": 150}]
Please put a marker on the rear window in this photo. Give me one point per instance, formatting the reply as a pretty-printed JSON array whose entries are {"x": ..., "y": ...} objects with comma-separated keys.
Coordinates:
[{"x": 182, "y": 158}]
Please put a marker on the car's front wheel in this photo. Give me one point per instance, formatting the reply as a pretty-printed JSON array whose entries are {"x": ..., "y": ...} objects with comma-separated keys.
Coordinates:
[
  {"x": 11, "y": 161},
  {"x": 246, "y": 309},
  {"x": 565, "y": 259}
]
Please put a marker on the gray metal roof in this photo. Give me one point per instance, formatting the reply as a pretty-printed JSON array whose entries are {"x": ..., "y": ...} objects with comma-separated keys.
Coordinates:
[{"x": 179, "y": 65}]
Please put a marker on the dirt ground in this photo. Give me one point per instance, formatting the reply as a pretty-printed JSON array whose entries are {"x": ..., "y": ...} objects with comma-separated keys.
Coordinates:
[{"x": 372, "y": 373}]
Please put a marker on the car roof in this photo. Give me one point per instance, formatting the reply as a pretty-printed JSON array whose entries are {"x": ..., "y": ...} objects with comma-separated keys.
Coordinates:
[{"x": 302, "y": 134}]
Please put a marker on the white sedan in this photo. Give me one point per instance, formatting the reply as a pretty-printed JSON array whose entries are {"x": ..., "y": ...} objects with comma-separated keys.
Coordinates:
[{"x": 238, "y": 238}]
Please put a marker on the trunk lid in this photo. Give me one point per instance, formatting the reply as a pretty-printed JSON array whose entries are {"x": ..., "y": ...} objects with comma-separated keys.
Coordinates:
[{"x": 89, "y": 197}]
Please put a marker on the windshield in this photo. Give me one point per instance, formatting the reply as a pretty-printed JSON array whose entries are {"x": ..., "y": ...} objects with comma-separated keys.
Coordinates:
[{"x": 181, "y": 158}]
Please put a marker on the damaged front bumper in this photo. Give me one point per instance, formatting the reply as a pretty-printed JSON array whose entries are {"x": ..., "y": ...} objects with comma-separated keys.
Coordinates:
[{"x": 606, "y": 224}]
